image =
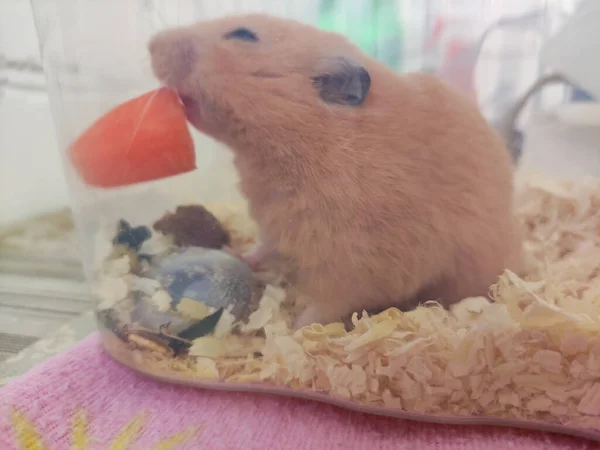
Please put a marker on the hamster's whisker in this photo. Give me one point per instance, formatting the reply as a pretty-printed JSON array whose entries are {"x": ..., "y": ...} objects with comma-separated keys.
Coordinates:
[
  {"x": 165, "y": 81},
  {"x": 139, "y": 122},
  {"x": 160, "y": 16}
]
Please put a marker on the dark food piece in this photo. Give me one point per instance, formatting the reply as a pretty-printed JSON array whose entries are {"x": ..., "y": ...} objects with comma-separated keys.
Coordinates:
[
  {"x": 131, "y": 237},
  {"x": 193, "y": 226},
  {"x": 162, "y": 339},
  {"x": 203, "y": 327},
  {"x": 152, "y": 341},
  {"x": 199, "y": 329}
]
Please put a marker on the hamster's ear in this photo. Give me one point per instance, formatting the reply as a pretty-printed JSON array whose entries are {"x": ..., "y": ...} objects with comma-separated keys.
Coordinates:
[{"x": 341, "y": 81}]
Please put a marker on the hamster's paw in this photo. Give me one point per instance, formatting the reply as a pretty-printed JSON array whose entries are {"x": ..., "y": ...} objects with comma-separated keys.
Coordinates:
[
  {"x": 231, "y": 251},
  {"x": 253, "y": 259},
  {"x": 309, "y": 316},
  {"x": 257, "y": 256},
  {"x": 314, "y": 314},
  {"x": 239, "y": 255}
]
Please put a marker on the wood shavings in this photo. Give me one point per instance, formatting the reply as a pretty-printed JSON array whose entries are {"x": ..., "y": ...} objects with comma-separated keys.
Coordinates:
[
  {"x": 206, "y": 368},
  {"x": 225, "y": 324},
  {"x": 147, "y": 285},
  {"x": 215, "y": 347},
  {"x": 533, "y": 353},
  {"x": 145, "y": 343},
  {"x": 118, "y": 267},
  {"x": 162, "y": 300},
  {"x": 269, "y": 309},
  {"x": 111, "y": 291},
  {"x": 157, "y": 244}
]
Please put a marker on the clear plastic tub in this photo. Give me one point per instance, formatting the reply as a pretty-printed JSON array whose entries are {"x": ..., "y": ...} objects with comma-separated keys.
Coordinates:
[{"x": 264, "y": 205}]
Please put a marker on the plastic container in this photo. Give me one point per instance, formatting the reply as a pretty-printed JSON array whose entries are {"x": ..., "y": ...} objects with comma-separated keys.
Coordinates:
[{"x": 166, "y": 214}]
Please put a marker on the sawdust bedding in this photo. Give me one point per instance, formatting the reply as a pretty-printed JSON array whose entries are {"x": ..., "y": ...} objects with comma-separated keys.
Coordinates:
[{"x": 532, "y": 354}]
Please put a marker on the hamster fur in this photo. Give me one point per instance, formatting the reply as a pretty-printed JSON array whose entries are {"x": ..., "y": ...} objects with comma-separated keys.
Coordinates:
[{"x": 385, "y": 189}]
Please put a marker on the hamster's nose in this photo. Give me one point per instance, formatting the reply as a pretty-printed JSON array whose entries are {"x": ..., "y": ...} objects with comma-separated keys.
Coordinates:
[{"x": 173, "y": 56}]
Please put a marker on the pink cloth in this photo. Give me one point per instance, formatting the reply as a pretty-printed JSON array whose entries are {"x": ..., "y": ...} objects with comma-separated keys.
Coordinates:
[{"x": 85, "y": 380}]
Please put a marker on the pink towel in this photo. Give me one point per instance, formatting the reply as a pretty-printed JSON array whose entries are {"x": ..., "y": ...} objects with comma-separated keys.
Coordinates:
[{"x": 81, "y": 399}]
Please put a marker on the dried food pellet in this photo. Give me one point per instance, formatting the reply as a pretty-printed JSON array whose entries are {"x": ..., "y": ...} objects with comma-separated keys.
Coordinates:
[{"x": 193, "y": 226}]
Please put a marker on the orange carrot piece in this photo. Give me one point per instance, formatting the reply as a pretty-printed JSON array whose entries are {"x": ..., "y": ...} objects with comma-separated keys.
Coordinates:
[{"x": 143, "y": 139}]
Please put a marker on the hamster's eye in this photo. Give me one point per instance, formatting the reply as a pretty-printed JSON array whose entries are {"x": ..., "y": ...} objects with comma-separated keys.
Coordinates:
[{"x": 243, "y": 34}]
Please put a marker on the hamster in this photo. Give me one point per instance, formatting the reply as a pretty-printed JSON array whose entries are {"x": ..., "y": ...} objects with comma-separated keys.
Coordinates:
[{"x": 385, "y": 189}]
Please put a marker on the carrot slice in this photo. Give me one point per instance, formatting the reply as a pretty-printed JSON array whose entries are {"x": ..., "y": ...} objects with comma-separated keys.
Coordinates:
[{"x": 143, "y": 139}]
